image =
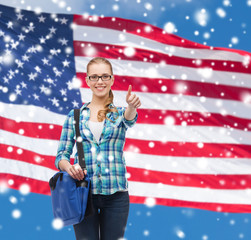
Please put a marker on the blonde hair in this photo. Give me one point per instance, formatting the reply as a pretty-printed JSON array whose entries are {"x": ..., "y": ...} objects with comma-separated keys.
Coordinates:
[{"x": 102, "y": 113}]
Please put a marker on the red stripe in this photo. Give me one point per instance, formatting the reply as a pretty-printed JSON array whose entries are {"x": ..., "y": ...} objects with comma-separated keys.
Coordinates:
[
  {"x": 31, "y": 129},
  {"x": 117, "y": 52},
  {"x": 218, "y": 207},
  {"x": 139, "y": 28},
  {"x": 170, "y": 86},
  {"x": 212, "y": 181},
  {"x": 186, "y": 149},
  {"x": 36, "y": 186}
]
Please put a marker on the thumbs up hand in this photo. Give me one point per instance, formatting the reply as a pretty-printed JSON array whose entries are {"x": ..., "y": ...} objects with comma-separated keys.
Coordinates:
[{"x": 132, "y": 100}]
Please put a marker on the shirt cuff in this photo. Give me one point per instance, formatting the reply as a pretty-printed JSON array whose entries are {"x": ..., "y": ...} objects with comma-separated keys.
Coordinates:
[{"x": 130, "y": 123}]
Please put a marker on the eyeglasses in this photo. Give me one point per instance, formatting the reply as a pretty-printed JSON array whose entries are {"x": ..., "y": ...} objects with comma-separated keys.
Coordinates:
[{"x": 104, "y": 77}]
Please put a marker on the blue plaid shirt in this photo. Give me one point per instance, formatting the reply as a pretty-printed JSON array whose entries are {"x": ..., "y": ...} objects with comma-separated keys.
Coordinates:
[{"x": 105, "y": 160}]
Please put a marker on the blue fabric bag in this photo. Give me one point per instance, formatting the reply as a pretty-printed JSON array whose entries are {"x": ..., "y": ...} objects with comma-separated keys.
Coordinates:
[{"x": 71, "y": 198}]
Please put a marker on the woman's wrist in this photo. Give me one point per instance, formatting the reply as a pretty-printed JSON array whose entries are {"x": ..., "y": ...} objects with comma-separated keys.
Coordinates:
[{"x": 63, "y": 164}]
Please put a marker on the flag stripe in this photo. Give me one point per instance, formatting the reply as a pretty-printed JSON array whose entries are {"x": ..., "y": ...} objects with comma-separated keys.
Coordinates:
[
  {"x": 189, "y": 165},
  {"x": 190, "y": 180},
  {"x": 187, "y": 149},
  {"x": 218, "y": 207},
  {"x": 111, "y": 51},
  {"x": 16, "y": 182},
  {"x": 190, "y": 193}
]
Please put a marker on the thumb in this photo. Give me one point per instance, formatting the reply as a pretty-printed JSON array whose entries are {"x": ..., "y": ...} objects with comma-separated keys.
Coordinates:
[{"x": 129, "y": 91}]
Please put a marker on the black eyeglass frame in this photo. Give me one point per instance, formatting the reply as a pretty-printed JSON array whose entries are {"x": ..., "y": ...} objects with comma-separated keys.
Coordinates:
[{"x": 110, "y": 77}]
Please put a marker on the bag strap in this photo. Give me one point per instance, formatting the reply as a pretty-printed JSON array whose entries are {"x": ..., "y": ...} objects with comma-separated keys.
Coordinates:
[{"x": 81, "y": 158}]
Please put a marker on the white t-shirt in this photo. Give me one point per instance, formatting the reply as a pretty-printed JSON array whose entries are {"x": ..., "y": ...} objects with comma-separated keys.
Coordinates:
[{"x": 96, "y": 129}]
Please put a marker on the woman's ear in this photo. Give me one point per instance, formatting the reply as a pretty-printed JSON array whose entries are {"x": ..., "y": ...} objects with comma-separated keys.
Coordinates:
[{"x": 112, "y": 81}]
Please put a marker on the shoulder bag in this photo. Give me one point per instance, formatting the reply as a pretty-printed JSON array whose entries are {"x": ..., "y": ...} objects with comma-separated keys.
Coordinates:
[{"x": 71, "y": 198}]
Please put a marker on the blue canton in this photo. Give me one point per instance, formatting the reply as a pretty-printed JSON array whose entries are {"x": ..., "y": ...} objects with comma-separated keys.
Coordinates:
[{"x": 37, "y": 60}]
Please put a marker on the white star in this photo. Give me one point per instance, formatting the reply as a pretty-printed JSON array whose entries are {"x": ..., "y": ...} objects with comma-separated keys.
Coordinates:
[
  {"x": 66, "y": 63},
  {"x": 1, "y": 13},
  {"x": 64, "y": 20},
  {"x": 42, "y": 40},
  {"x": 42, "y": 18},
  {"x": 11, "y": 74},
  {"x": 63, "y": 41},
  {"x": 24, "y": 85},
  {"x": 31, "y": 27},
  {"x": 19, "y": 16},
  {"x": 32, "y": 49},
  {"x": 32, "y": 76},
  {"x": 63, "y": 92},
  {"x": 54, "y": 51},
  {"x": 25, "y": 58},
  {"x": 18, "y": 91},
  {"x": 55, "y": 102},
  {"x": 45, "y": 61},
  {"x": 19, "y": 63},
  {"x": 51, "y": 81},
  {"x": 52, "y": 30},
  {"x": 21, "y": 37},
  {"x": 38, "y": 69},
  {"x": 36, "y": 97},
  {"x": 75, "y": 104},
  {"x": 14, "y": 45},
  {"x": 5, "y": 79},
  {"x": 1, "y": 33},
  {"x": 43, "y": 89},
  {"x": 10, "y": 25}
]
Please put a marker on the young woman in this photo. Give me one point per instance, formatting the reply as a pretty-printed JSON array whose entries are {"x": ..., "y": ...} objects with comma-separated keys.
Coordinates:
[{"x": 103, "y": 127}]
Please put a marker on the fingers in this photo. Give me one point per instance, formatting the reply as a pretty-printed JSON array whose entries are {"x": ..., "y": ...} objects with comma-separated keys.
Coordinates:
[
  {"x": 76, "y": 172},
  {"x": 134, "y": 101}
]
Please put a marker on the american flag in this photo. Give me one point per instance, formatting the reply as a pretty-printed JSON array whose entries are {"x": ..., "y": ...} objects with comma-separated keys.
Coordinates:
[{"x": 191, "y": 146}]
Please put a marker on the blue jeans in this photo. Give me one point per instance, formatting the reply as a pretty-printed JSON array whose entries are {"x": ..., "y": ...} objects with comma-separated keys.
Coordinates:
[{"x": 109, "y": 219}]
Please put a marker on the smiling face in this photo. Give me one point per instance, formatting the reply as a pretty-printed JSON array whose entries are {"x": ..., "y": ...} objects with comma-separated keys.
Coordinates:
[{"x": 100, "y": 88}]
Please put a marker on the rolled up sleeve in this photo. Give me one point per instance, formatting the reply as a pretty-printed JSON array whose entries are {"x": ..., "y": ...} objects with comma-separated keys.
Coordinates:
[
  {"x": 67, "y": 141},
  {"x": 128, "y": 123}
]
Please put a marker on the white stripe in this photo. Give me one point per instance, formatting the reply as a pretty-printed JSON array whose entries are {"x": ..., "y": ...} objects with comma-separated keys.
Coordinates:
[
  {"x": 37, "y": 145},
  {"x": 138, "y": 188},
  {"x": 190, "y": 193},
  {"x": 30, "y": 113},
  {"x": 153, "y": 70},
  {"x": 115, "y": 37},
  {"x": 25, "y": 169},
  {"x": 163, "y": 101},
  {"x": 189, "y": 165}
]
